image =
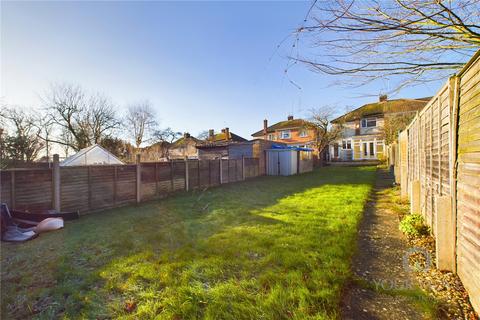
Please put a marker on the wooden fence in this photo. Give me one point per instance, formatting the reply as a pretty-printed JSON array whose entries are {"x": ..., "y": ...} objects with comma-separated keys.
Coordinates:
[
  {"x": 90, "y": 188},
  {"x": 437, "y": 163}
]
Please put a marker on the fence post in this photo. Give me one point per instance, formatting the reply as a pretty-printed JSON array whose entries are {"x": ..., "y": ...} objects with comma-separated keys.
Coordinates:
[
  {"x": 415, "y": 197},
  {"x": 115, "y": 179},
  {"x": 445, "y": 230},
  {"x": 139, "y": 178},
  {"x": 56, "y": 182},
  {"x": 12, "y": 189},
  {"x": 187, "y": 186},
  {"x": 243, "y": 167},
  {"x": 221, "y": 171}
]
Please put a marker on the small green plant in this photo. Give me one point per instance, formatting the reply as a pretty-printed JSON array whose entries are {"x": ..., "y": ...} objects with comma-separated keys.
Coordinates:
[{"x": 413, "y": 225}]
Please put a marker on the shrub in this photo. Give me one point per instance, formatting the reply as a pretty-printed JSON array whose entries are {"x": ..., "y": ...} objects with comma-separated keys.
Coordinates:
[{"x": 412, "y": 225}]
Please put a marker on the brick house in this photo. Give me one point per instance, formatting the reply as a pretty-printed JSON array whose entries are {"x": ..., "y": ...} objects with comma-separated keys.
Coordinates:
[{"x": 292, "y": 132}]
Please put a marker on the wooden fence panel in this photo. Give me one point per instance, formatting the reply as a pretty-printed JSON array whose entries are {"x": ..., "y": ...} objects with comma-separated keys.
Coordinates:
[
  {"x": 101, "y": 180},
  {"x": 74, "y": 189},
  {"x": 149, "y": 180},
  {"x": 225, "y": 169},
  {"x": 214, "y": 172},
  {"x": 468, "y": 182},
  {"x": 33, "y": 189},
  {"x": 178, "y": 175},
  {"x": 126, "y": 184},
  {"x": 164, "y": 178},
  {"x": 5, "y": 187},
  {"x": 204, "y": 173}
]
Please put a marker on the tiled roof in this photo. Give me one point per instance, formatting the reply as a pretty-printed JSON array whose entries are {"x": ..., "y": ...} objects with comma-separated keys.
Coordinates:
[
  {"x": 182, "y": 140},
  {"x": 383, "y": 107},
  {"x": 287, "y": 124},
  {"x": 222, "y": 136}
]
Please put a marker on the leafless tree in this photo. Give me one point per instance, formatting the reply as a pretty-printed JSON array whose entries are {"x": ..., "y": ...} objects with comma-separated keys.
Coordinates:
[
  {"x": 141, "y": 121},
  {"x": 395, "y": 123},
  {"x": 409, "y": 41},
  {"x": 325, "y": 133},
  {"x": 203, "y": 135},
  {"x": 20, "y": 139},
  {"x": 82, "y": 119},
  {"x": 166, "y": 137}
]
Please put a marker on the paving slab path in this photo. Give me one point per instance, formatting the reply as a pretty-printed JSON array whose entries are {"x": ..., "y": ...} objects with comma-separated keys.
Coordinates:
[{"x": 379, "y": 262}]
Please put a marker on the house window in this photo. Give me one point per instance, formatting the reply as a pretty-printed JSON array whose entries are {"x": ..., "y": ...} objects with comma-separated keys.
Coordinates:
[
  {"x": 285, "y": 134},
  {"x": 369, "y": 122},
  {"x": 371, "y": 149},
  {"x": 303, "y": 133},
  {"x": 365, "y": 150},
  {"x": 347, "y": 144},
  {"x": 271, "y": 137}
]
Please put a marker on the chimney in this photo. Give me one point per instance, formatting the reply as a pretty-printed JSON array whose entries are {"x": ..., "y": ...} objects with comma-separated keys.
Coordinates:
[
  {"x": 186, "y": 135},
  {"x": 227, "y": 133},
  {"x": 383, "y": 97},
  {"x": 265, "y": 126},
  {"x": 210, "y": 133},
  {"x": 290, "y": 118}
]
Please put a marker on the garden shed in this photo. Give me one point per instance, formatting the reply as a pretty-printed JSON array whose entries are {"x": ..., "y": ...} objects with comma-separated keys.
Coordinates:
[
  {"x": 286, "y": 161},
  {"x": 93, "y": 155}
]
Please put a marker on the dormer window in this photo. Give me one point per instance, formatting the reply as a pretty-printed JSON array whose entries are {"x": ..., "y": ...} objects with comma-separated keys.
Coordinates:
[
  {"x": 369, "y": 122},
  {"x": 303, "y": 133},
  {"x": 285, "y": 134}
]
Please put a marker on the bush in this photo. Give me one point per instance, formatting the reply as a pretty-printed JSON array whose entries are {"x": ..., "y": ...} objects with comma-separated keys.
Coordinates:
[{"x": 412, "y": 225}]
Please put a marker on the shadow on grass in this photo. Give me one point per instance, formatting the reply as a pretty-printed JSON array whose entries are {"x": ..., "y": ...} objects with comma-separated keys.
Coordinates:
[{"x": 272, "y": 247}]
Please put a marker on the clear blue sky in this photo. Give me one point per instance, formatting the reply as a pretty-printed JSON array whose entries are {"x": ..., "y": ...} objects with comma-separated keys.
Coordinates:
[{"x": 202, "y": 64}]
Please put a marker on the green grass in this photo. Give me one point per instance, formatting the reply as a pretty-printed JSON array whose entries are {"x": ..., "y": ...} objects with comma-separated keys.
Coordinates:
[{"x": 268, "y": 248}]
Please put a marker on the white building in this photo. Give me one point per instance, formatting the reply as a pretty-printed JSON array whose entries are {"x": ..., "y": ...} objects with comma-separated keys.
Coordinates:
[
  {"x": 93, "y": 155},
  {"x": 363, "y": 135}
]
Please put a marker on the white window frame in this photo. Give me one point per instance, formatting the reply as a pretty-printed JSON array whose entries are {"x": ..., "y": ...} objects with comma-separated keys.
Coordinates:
[
  {"x": 366, "y": 121},
  {"x": 285, "y": 134},
  {"x": 271, "y": 136},
  {"x": 347, "y": 142},
  {"x": 303, "y": 133}
]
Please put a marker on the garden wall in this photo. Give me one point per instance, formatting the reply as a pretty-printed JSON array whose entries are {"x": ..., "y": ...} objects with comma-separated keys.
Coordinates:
[
  {"x": 437, "y": 162},
  {"x": 89, "y": 188}
]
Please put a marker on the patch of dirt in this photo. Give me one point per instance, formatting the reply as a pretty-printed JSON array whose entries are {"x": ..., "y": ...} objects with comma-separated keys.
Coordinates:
[{"x": 446, "y": 287}]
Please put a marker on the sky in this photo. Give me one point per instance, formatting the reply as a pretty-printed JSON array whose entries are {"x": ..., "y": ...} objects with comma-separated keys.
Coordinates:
[{"x": 203, "y": 65}]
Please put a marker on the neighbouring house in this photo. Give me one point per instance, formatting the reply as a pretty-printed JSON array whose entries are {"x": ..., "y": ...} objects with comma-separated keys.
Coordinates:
[
  {"x": 185, "y": 147},
  {"x": 291, "y": 132},
  {"x": 224, "y": 145},
  {"x": 93, "y": 155},
  {"x": 363, "y": 136}
]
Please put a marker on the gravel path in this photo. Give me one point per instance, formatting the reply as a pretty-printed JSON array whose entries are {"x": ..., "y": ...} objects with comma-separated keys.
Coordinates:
[{"x": 379, "y": 262}]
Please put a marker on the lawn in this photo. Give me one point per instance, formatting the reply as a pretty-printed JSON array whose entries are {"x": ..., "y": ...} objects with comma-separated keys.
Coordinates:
[{"x": 267, "y": 248}]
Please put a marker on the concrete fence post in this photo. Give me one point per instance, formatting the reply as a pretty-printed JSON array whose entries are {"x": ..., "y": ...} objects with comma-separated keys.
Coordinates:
[
  {"x": 445, "y": 234},
  {"x": 56, "y": 182},
  {"x": 187, "y": 182},
  {"x": 139, "y": 178},
  {"x": 221, "y": 171},
  {"x": 415, "y": 197}
]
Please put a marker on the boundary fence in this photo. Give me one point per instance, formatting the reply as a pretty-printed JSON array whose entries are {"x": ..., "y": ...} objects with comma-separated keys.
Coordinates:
[
  {"x": 437, "y": 163},
  {"x": 91, "y": 188}
]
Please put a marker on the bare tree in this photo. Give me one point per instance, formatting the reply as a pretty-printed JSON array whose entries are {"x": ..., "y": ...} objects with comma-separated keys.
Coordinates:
[
  {"x": 203, "y": 135},
  {"x": 166, "y": 137},
  {"x": 141, "y": 121},
  {"x": 325, "y": 133},
  {"x": 82, "y": 119},
  {"x": 23, "y": 143},
  {"x": 411, "y": 40},
  {"x": 395, "y": 123}
]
